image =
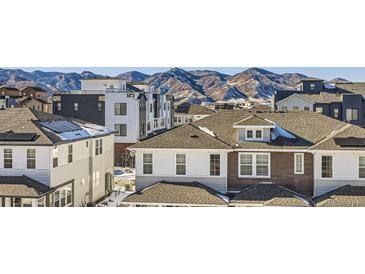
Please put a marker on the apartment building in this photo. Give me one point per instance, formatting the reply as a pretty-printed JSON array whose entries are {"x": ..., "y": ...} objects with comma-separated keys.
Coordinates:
[
  {"x": 48, "y": 160},
  {"x": 134, "y": 110},
  {"x": 249, "y": 158},
  {"x": 343, "y": 101},
  {"x": 186, "y": 113}
]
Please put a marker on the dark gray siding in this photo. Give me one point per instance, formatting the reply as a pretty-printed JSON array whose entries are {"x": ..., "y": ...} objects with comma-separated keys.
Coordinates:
[
  {"x": 87, "y": 107},
  {"x": 354, "y": 101}
]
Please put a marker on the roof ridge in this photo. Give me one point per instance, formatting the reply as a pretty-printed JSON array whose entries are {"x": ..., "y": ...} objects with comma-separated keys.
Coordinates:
[{"x": 331, "y": 135}]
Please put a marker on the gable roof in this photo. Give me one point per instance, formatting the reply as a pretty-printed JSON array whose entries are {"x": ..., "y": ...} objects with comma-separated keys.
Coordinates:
[
  {"x": 28, "y": 99},
  {"x": 269, "y": 194},
  {"x": 295, "y": 95},
  {"x": 22, "y": 186},
  {"x": 315, "y": 98},
  {"x": 346, "y": 196},
  {"x": 177, "y": 194},
  {"x": 309, "y": 128},
  {"x": 254, "y": 120},
  {"x": 33, "y": 88}
]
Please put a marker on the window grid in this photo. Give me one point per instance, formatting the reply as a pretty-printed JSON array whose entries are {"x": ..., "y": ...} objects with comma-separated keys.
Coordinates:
[
  {"x": 147, "y": 163},
  {"x": 326, "y": 166},
  {"x": 31, "y": 158},
  {"x": 8, "y": 158},
  {"x": 362, "y": 167},
  {"x": 180, "y": 164},
  {"x": 215, "y": 165}
]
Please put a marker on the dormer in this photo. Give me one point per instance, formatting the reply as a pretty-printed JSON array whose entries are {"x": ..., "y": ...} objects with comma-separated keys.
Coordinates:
[
  {"x": 254, "y": 128},
  {"x": 310, "y": 85}
]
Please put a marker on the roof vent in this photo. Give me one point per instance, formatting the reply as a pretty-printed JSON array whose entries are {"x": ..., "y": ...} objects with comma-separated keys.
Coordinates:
[{"x": 194, "y": 136}]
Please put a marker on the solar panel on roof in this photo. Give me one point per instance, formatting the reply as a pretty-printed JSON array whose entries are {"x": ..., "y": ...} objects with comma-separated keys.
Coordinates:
[
  {"x": 61, "y": 126},
  {"x": 350, "y": 142},
  {"x": 18, "y": 137}
]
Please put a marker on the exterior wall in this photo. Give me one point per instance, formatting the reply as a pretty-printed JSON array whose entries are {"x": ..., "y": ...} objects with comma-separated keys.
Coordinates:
[
  {"x": 182, "y": 118},
  {"x": 345, "y": 171},
  {"x": 130, "y": 119},
  {"x": 354, "y": 101},
  {"x": 40, "y": 173},
  {"x": 98, "y": 86},
  {"x": 87, "y": 170},
  {"x": 282, "y": 173},
  {"x": 34, "y": 104},
  {"x": 294, "y": 101},
  {"x": 305, "y": 86},
  {"x": 266, "y": 133},
  {"x": 88, "y": 107},
  {"x": 197, "y": 168}
]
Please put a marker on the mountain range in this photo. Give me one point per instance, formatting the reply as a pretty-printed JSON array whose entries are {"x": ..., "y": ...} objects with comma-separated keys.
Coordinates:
[{"x": 197, "y": 85}]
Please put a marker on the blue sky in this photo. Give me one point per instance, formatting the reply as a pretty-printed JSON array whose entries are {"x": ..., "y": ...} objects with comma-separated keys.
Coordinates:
[{"x": 326, "y": 73}]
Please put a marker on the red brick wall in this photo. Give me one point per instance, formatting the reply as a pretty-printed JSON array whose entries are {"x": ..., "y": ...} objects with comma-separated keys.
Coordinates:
[
  {"x": 282, "y": 173},
  {"x": 120, "y": 152}
]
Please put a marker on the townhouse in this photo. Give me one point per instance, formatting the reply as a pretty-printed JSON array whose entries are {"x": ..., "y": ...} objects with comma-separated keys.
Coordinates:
[
  {"x": 134, "y": 110},
  {"x": 186, "y": 113},
  {"x": 48, "y": 160},
  {"x": 342, "y": 101},
  {"x": 251, "y": 158}
]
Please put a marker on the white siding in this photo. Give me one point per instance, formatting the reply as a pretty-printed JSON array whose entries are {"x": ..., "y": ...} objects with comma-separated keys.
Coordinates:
[
  {"x": 345, "y": 171},
  {"x": 294, "y": 101}
]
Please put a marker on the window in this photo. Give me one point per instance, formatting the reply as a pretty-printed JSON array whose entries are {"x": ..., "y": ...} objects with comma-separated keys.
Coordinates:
[
  {"x": 147, "y": 163},
  {"x": 8, "y": 158},
  {"x": 215, "y": 165},
  {"x": 254, "y": 165},
  {"x": 258, "y": 134},
  {"x": 175, "y": 119},
  {"x": 319, "y": 109},
  {"x": 326, "y": 166},
  {"x": 63, "y": 196},
  {"x": 249, "y": 134},
  {"x": 362, "y": 167},
  {"x": 31, "y": 162},
  {"x": 180, "y": 164},
  {"x": 312, "y": 86},
  {"x": 155, "y": 123},
  {"x": 76, "y": 106},
  {"x": 55, "y": 158},
  {"x": 148, "y": 126},
  {"x": 121, "y": 129},
  {"x": 120, "y": 109},
  {"x": 59, "y": 107},
  {"x": 70, "y": 153},
  {"x": 295, "y": 108},
  {"x": 284, "y": 108},
  {"x": 164, "y": 106},
  {"x": 335, "y": 113},
  {"x": 306, "y": 108},
  {"x": 352, "y": 114},
  {"x": 298, "y": 163},
  {"x": 151, "y": 107},
  {"x": 99, "y": 147},
  {"x": 99, "y": 107}
]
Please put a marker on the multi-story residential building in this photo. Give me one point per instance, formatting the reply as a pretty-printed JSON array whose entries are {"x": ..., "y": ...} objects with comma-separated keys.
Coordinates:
[
  {"x": 32, "y": 97},
  {"x": 132, "y": 109},
  {"x": 186, "y": 113},
  {"x": 286, "y": 158},
  {"x": 47, "y": 160},
  {"x": 344, "y": 101},
  {"x": 36, "y": 104}
]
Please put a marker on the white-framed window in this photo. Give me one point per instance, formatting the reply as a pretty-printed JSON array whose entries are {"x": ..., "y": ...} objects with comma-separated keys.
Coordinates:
[
  {"x": 284, "y": 108},
  {"x": 336, "y": 113},
  {"x": 147, "y": 163},
  {"x": 8, "y": 158},
  {"x": 254, "y": 134},
  {"x": 362, "y": 167},
  {"x": 99, "y": 107},
  {"x": 31, "y": 162},
  {"x": 312, "y": 86},
  {"x": 295, "y": 108},
  {"x": 298, "y": 163},
  {"x": 180, "y": 164},
  {"x": 352, "y": 114},
  {"x": 319, "y": 109},
  {"x": 63, "y": 196},
  {"x": 59, "y": 106},
  {"x": 120, "y": 108},
  {"x": 254, "y": 165},
  {"x": 98, "y": 147},
  {"x": 70, "y": 154},
  {"x": 327, "y": 164},
  {"x": 121, "y": 129},
  {"x": 215, "y": 165},
  {"x": 306, "y": 108},
  {"x": 55, "y": 158},
  {"x": 76, "y": 106}
]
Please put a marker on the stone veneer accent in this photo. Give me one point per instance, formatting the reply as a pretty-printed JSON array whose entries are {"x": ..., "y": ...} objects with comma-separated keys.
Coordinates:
[{"x": 282, "y": 173}]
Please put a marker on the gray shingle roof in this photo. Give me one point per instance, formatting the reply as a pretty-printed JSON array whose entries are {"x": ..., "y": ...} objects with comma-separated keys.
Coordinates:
[
  {"x": 177, "y": 193},
  {"x": 254, "y": 120},
  {"x": 269, "y": 194},
  {"x": 193, "y": 110},
  {"x": 323, "y": 97},
  {"x": 22, "y": 186},
  {"x": 346, "y": 196}
]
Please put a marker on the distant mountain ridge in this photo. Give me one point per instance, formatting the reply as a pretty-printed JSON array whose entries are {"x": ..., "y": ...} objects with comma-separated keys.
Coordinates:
[{"x": 197, "y": 85}]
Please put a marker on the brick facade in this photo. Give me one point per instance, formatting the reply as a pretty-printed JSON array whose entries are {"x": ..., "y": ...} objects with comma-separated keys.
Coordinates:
[
  {"x": 282, "y": 173},
  {"x": 122, "y": 155}
]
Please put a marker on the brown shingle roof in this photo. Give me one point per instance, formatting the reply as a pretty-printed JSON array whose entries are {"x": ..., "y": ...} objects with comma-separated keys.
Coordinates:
[
  {"x": 308, "y": 127},
  {"x": 346, "y": 196},
  {"x": 356, "y": 88},
  {"x": 269, "y": 194},
  {"x": 22, "y": 186},
  {"x": 254, "y": 120},
  {"x": 193, "y": 110},
  {"x": 177, "y": 194},
  {"x": 323, "y": 97}
]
